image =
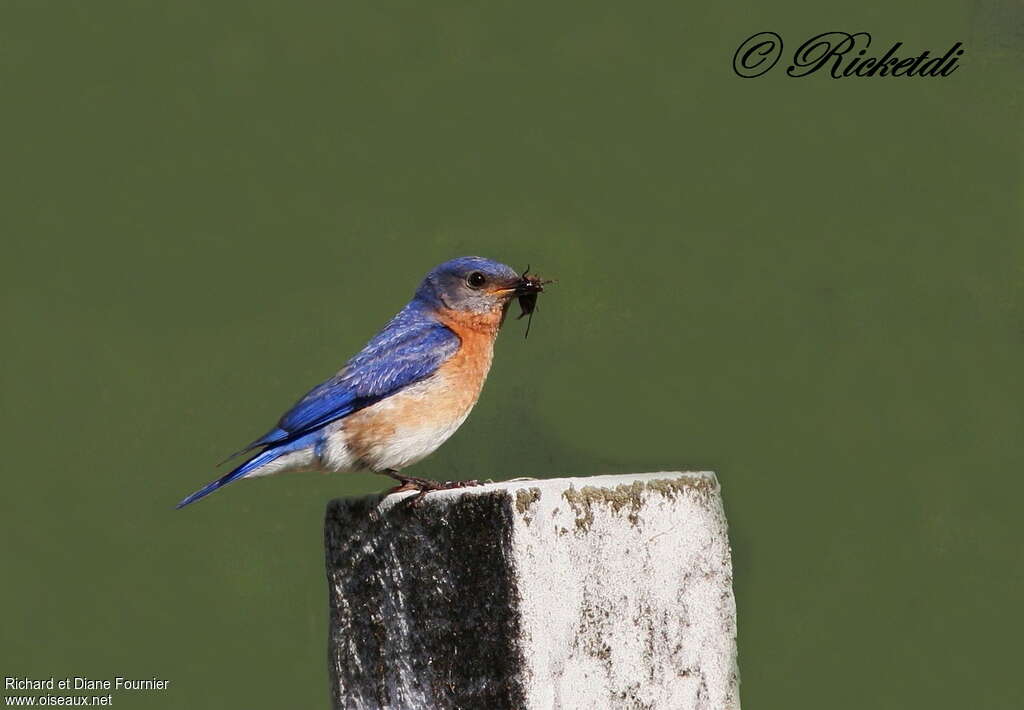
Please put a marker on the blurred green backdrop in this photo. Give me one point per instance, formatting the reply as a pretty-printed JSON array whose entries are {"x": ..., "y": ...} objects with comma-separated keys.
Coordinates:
[{"x": 813, "y": 287}]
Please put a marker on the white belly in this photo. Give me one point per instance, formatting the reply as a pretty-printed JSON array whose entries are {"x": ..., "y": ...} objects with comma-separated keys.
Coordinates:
[{"x": 401, "y": 430}]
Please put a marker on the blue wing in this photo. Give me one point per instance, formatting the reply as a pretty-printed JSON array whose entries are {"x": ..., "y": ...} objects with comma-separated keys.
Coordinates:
[{"x": 410, "y": 348}]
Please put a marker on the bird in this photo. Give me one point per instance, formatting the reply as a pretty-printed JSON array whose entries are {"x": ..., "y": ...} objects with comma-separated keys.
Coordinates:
[{"x": 406, "y": 392}]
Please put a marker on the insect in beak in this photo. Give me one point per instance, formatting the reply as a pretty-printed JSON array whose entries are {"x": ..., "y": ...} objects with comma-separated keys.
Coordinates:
[{"x": 530, "y": 285}]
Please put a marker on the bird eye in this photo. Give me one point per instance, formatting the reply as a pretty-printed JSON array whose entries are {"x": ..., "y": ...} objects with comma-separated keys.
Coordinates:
[{"x": 476, "y": 279}]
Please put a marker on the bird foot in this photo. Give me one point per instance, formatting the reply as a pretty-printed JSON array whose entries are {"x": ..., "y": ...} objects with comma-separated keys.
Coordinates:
[{"x": 424, "y": 485}]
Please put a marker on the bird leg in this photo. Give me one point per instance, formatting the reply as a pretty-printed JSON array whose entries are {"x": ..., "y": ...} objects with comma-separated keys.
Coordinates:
[{"x": 423, "y": 485}]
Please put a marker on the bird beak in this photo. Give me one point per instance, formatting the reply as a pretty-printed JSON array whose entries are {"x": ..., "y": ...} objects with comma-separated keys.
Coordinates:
[
  {"x": 520, "y": 287},
  {"x": 531, "y": 284},
  {"x": 526, "y": 286}
]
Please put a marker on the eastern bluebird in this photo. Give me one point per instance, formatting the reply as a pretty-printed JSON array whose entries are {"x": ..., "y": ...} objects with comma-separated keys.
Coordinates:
[{"x": 406, "y": 392}]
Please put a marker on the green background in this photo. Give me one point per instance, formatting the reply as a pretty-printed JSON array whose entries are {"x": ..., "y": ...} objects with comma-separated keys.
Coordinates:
[{"x": 813, "y": 287}]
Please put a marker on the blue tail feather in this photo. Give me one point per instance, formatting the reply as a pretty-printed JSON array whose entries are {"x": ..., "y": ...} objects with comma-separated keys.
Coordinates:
[
  {"x": 274, "y": 435},
  {"x": 250, "y": 465},
  {"x": 260, "y": 459}
]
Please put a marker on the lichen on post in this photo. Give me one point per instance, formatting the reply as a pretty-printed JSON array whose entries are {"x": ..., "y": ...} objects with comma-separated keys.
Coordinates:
[{"x": 606, "y": 591}]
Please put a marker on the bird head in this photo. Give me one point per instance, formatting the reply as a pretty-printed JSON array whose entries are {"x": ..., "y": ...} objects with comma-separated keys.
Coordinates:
[{"x": 475, "y": 285}]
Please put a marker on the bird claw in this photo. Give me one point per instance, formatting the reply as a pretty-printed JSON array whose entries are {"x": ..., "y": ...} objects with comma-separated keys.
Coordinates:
[{"x": 424, "y": 486}]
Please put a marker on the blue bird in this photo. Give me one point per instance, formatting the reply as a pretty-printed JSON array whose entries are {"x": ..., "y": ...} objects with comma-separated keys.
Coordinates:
[{"x": 406, "y": 392}]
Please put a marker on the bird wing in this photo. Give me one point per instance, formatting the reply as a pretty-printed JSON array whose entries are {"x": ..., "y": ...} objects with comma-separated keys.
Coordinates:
[{"x": 402, "y": 354}]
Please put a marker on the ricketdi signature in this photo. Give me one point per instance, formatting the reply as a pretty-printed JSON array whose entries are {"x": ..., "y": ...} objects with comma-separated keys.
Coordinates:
[
  {"x": 841, "y": 54},
  {"x": 845, "y": 55}
]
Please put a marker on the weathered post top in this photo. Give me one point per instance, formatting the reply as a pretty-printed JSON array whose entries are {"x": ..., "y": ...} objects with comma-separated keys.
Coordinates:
[{"x": 599, "y": 592}]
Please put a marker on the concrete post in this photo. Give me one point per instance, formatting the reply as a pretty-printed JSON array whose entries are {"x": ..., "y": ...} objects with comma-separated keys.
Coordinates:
[{"x": 600, "y": 592}]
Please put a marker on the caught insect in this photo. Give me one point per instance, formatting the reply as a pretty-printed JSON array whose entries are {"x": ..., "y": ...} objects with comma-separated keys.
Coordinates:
[{"x": 530, "y": 286}]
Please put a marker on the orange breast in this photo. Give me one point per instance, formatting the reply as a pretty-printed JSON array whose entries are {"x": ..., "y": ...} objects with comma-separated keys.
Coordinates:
[
  {"x": 467, "y": 369},
  {"x": 409, "y": 425}
]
